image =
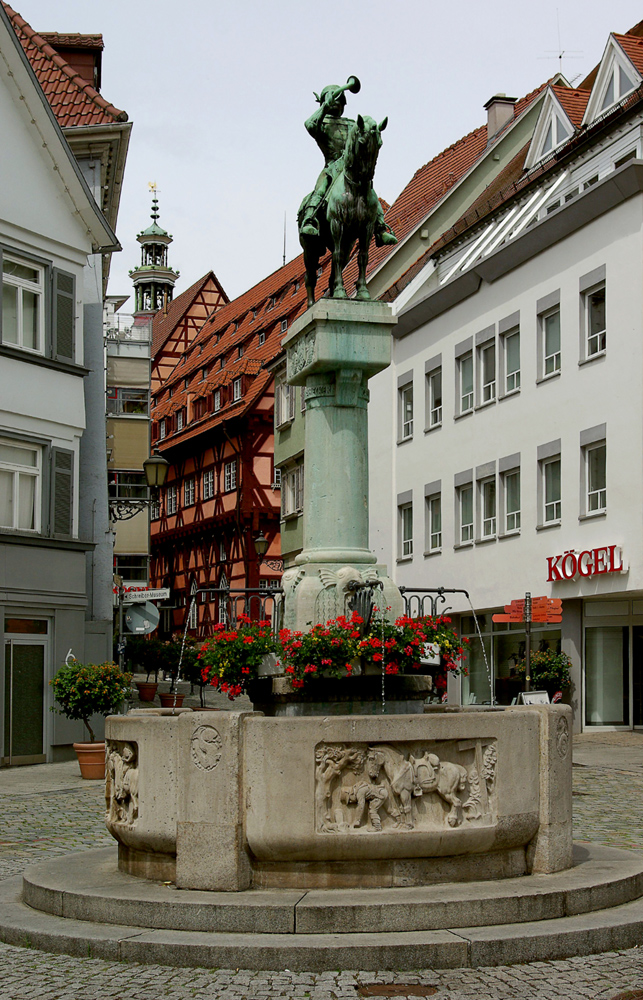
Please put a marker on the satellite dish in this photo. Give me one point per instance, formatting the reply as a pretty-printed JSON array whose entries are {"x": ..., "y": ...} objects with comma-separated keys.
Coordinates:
[{"x": 142, "y": 618}]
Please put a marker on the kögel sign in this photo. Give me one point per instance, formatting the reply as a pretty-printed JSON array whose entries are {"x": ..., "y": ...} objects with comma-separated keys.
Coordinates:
[{"x": 589, "y": 562}]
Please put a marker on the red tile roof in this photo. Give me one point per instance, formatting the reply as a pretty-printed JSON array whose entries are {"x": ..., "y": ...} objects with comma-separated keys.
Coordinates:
[
  {"x": 633, "y": 48},
  {"x": 73, "y": 100},
  {"x": 573, "y": 103},
  {"x": 431, "y": 182},
  {"x": 74, "y": 41},
  {"x": 164, "y": 324},
  {"x": 281, "y": 296}
]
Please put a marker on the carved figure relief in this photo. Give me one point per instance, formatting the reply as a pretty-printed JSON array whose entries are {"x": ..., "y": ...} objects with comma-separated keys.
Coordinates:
[
  {"x": 121, "y": 782},
  {"x": 489, "y": 761},
  {"x": 562, "y": 737},
  {"x": 300, "y": 354},
  {"x": 205, "y": 747},
  {"x": 402, "y": 786}
]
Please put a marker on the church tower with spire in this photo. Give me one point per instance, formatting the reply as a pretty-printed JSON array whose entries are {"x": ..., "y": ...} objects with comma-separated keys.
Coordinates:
[{"x": 153, "y": 279}]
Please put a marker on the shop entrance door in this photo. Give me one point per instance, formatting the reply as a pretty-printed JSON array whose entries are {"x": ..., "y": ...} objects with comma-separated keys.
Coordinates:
[
  {"x": 637, "y": 675},
  {"x": 24, "y": 691}
]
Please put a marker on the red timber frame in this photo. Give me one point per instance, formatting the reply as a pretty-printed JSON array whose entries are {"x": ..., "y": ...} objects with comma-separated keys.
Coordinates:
[
  {"x": 203, "y": 304},
  {"x": 187, "y": 547}
]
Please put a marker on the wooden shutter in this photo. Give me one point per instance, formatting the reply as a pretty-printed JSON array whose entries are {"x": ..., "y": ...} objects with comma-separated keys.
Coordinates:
[
  {"x": 62, "y": 491},
  {"x": 64, "y": 310}
]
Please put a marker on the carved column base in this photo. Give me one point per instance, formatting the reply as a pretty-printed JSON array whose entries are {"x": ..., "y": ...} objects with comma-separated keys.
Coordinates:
[{"x": 318, "y": 591}]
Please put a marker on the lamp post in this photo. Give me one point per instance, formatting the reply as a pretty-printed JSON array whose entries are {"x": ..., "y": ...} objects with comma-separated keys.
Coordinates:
[
  {"x": 155, "y": 468},
  {"x": 261, "y": 546}
]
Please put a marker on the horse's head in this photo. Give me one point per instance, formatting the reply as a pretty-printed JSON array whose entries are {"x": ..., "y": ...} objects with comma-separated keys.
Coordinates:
[{"x": 363, "y": 145}]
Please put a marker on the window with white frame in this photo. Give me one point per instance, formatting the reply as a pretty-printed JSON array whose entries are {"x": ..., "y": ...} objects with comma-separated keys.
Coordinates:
[
  {"x": 595, "y": 326},
  {"x": 23, "y": 304},
  {"x": 551, "y": 490},
  {"x": 222, "y": 552},
  {"x": 292, "y": 490},
  {"x": 406, "y": 530},
  {"x": 171, "y": 499},
  {"x": 236, "y": 389},
  {"x": 125, "y": 400},
  {"x": 465, "y": 510},
  {"x": 230, "y": 475},
  {"x": 550, "y": 332},
  {"x": 434, "y": 397},
  {"x": 269, "y": 583},
  {"x": 465, "y": 373},
  {"x": 487, "y": 361},
  {"x": 406, "y": 411},
  {"x": 276, "y": 479},
  {"x": 162, "y": 429},
  {"x": 434, "y": 522},
  {"x": 208, "y": 484},
  {"x": 488, "y": 508},
  {"x": 511, "y": 491},
  {"x": 20, "y": 485},
  {"x": 179, "y": 419},
  {"x": 262, "y": 337},
  {"x": 224, "y": 600},
  {"x": 596, "y": 478},
  {"x": 216, "y": 400},
  {"x": 188, "y": 492},
  {"x": 618, "y": 85},
  {"x": 284, "y": 403},
  {"x": 155, "y": 510},
  {"x": 511, "y": 345}
]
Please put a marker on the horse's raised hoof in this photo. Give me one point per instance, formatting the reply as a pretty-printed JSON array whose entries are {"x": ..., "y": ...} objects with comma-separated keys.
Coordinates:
[{"x": 384, "y": 239}]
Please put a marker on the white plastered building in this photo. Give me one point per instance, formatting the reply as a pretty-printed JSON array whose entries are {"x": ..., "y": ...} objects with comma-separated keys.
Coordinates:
[{"x": 507, "y": 435}]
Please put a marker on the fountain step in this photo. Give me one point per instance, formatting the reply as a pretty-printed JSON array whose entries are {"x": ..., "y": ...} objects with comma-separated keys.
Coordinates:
[
  {"x": 614, "y": 928},
  {"x": 89, "y": 887}
]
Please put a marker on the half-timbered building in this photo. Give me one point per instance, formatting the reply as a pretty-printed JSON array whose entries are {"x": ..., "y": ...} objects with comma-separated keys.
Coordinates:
[{"x": 213, "y": 420}]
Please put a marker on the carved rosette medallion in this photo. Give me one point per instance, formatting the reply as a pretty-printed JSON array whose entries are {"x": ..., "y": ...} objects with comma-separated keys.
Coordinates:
[
  {"x": 205, "y": 747},
  {"x": 369, "y": 788},
  {"x": 562, "y": 738}
]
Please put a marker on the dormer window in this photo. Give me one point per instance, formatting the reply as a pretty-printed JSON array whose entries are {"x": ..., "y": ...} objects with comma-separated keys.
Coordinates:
[
  {"x": 618, "y": 85},
  {"x": 556, "y": 134},
  {"x": 186, "y": 382}
]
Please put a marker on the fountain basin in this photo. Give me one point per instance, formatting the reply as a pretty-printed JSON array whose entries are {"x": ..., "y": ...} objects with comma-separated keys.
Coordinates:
[{"x": 232, "y": 800}]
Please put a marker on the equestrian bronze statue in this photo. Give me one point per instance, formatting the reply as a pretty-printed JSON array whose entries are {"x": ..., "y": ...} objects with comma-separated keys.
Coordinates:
[{"x": 343, "y": 208}]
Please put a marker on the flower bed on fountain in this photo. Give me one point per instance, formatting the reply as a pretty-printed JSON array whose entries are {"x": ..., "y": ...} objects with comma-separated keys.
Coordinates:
[{"x": 376, "y": 663}]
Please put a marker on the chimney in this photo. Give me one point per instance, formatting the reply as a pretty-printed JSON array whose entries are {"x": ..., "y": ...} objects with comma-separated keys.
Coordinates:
[{"x": 500, "y": 110}]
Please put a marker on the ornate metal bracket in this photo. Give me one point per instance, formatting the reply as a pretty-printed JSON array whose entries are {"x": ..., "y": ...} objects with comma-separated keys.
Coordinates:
[{"x": 123, "y": 510}]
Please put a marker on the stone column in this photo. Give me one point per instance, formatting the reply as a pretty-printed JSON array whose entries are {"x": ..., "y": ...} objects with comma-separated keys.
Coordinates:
[{"x": 332, "y": 350}]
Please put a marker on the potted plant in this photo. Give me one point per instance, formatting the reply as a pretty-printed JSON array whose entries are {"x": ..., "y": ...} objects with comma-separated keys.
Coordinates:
[
  {"x": 82, "y": 690},
  {"x": 549, "y": 671},
  {"x": 402, "y": 645},
  {"x": 230, "y": 660}
]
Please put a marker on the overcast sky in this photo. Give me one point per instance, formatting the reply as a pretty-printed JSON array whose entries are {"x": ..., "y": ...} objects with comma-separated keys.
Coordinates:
[{"x": 218, "y": 94}]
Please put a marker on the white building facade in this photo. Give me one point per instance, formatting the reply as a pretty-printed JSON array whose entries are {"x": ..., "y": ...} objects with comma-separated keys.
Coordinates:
[
  {"x": 49, "y": 226},
  {"x": 516, "y": 459}
]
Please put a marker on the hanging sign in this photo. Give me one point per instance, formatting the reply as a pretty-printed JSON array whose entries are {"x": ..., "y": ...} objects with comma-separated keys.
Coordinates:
[{"x": 589, "y": 562}]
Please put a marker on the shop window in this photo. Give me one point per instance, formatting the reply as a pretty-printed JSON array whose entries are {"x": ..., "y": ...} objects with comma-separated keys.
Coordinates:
[{"x": 607, "y": 675}]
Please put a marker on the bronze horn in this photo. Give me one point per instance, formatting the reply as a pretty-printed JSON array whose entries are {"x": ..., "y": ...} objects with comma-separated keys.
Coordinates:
[{"x": 353, "y": 85}]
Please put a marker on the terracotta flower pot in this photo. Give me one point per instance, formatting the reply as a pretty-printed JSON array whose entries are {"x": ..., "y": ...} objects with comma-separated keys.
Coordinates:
[
  {"x": 91, "y": 759},
  {"x": 167, "y": 699},
  {"x": 146, "y": 690}
]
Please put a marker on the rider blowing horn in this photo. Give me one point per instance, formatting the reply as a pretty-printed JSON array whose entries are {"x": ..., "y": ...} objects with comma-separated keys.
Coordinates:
[{"x": 330, "y": 130}]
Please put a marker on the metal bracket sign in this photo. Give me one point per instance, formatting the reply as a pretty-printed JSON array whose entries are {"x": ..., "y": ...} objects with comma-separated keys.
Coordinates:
[{"x": 139, "y": 596}]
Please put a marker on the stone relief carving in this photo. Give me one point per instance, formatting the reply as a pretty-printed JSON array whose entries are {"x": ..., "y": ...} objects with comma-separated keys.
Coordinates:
[
  {"x": 205, "y": 747},
  {"x": 121, "y": 782},
  {"x": 489, "y": 761},
  {"x": 370, "y": 788},
  {"x": 562, "y": 737},
  {"x": 300, "y": 354}
]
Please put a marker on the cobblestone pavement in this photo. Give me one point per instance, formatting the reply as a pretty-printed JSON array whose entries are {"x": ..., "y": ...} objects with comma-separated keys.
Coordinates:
[{"x": 48, "y": 810}]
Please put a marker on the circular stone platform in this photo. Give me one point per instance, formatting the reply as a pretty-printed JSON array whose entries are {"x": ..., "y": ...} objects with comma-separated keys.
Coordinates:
[{"x": 81, "y": 904}]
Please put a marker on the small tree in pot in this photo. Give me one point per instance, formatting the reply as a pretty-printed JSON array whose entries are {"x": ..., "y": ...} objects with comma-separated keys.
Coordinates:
[{"x": 82, "y": 690}]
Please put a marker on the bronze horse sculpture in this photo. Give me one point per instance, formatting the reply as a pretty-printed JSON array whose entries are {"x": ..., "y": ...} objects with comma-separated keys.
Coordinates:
[{"x": 350, "y": 212}]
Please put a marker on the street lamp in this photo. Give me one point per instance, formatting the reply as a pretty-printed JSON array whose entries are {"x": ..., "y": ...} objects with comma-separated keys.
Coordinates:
[
  {"x": 155, "y": 468},
  {"x": 261, "y": 546}
]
